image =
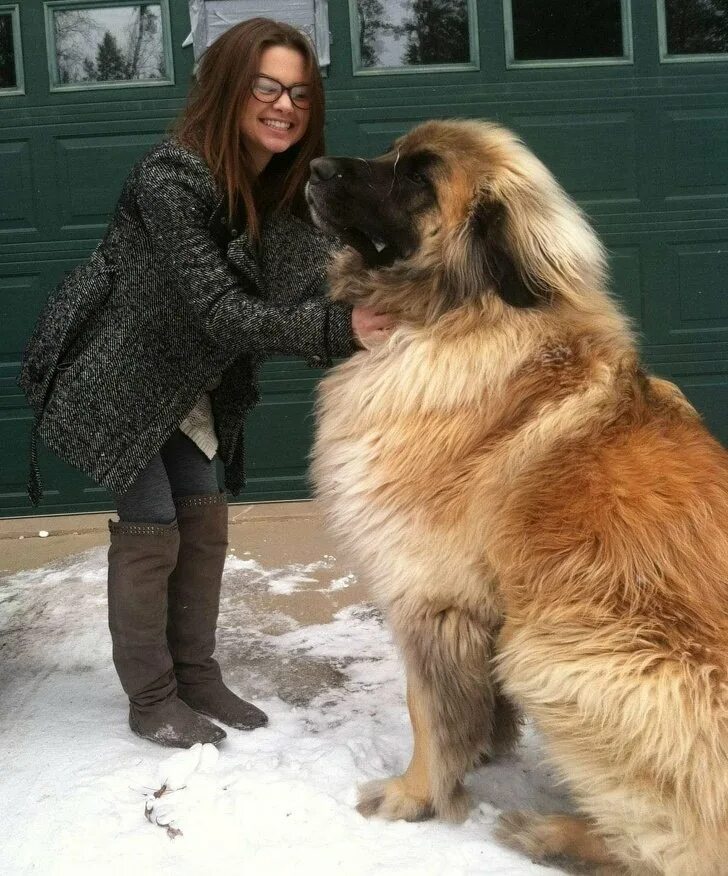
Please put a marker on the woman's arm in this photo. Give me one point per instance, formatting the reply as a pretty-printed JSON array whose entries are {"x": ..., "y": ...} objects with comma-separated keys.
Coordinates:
[{"x": 175, "y": 196}]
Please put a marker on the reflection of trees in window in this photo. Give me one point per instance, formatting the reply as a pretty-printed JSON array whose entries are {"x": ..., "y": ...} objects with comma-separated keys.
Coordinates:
[
  {"x": 437, "y": 33},
  {"x": 372, "y": 22},
  {"x": 544, "y": 30},
  {"x": 8, "y": 76},
  {"x": 110, "y": 61},
  {"x": 144, "y": 47},
  {"x": 90, "y": 49},
  {"x": 696, "y": 27},
  {"x": 73, "y": 31},
  {"x": 395, "y": 33}
]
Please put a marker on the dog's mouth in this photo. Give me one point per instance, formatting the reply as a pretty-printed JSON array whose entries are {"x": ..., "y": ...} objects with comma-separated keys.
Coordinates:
[{"x": 375, "y": 250}]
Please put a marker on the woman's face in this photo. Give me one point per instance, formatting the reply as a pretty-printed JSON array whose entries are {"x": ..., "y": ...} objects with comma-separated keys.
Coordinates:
[{"x": 269, "y": 128}]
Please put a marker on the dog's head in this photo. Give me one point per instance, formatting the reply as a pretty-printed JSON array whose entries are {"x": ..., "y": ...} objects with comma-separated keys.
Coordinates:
[{"x": 455, "y": 212}]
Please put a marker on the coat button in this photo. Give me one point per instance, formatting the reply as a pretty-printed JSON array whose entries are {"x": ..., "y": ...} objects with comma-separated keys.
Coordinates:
[
  {"x": 316, "y": 361},
  {"x": 234, "y": 232}
]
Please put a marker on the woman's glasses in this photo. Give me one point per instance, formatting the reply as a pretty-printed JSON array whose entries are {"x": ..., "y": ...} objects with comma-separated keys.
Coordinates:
[{"x": 268, "y": 90}]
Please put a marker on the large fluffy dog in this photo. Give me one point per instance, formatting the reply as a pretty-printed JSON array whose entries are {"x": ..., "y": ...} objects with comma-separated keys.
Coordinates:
[{"x": 544, "y": 524}]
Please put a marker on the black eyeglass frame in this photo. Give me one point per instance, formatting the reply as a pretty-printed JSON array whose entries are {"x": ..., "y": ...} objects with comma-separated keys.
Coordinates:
[{"x": 287, "y": 89}]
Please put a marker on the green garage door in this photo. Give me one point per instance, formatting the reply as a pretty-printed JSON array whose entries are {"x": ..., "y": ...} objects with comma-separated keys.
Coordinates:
[{"x": 627, "y": 102}]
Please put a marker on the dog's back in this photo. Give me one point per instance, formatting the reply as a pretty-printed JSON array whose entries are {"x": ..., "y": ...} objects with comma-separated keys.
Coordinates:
[{"x": 614, "y": 566}]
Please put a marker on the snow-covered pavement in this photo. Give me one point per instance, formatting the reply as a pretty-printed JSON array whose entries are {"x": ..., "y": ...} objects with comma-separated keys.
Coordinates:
[{"x": 77, "y": 788}]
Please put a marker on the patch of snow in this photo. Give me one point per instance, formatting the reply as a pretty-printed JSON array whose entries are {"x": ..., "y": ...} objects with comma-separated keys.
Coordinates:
[
  {"x": 78, "y": 788},
  {"x": 343, "y": 582}
]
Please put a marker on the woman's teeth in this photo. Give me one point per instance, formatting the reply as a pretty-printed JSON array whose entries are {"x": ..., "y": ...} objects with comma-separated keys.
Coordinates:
[{"x": 279, "y": 126}]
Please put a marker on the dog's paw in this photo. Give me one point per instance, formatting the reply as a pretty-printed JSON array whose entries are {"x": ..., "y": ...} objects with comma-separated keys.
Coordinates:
[
  {"x": 559, "y": 839},
  {"x": 388, "y": 798},
  {"x": 395, "y": 799},
  {"x": 525, "y": 832}
]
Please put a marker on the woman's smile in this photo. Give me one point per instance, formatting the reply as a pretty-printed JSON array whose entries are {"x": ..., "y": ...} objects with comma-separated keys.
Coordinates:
[{"x": 271, "y": 128}]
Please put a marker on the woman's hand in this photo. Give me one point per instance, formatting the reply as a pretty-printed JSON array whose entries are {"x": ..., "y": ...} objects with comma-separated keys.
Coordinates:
[{"x": 371, "y": 327}]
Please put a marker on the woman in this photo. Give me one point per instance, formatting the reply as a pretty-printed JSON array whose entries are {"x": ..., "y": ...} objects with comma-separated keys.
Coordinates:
[{"x": 144, "y": 362}]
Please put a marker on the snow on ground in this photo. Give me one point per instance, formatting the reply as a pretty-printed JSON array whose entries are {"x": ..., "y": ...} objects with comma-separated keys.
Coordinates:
[{"x": 75, "y": 783}]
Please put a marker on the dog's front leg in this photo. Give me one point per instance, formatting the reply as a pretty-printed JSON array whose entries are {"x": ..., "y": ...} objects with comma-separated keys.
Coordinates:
[
  {"x": 456, "y": 711},
  {"x": 408, "y": 796}
]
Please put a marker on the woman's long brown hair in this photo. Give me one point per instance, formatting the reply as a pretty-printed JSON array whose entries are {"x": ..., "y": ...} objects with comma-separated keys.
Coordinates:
[{"x": 210, "y": 123}]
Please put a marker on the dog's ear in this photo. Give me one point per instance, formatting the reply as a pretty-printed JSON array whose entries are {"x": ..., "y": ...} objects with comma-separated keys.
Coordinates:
[{"x": 488, "y": 244}]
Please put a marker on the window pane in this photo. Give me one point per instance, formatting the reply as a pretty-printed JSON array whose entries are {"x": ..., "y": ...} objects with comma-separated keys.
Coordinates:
[
  {"x": 8, "y": 74},
  {"x": 696, "y": 27},
  {"x": 544, "y": 30},
  {"x": 402, "y": 33},
  {"x": 113, "y": 44}
]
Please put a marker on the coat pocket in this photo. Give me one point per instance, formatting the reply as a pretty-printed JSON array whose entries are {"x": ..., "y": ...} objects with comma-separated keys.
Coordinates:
[{"x": 60, "y": 326}]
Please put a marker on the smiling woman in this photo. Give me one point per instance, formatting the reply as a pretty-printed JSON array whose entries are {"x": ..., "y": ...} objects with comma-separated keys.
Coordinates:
[
  {"x": 274, "y": 122},
  {"x": 228, "y": 88},
  {"x": 145, "y": 361}
]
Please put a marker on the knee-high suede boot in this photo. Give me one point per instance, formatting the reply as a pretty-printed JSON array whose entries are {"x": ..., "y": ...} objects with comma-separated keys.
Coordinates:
[
  {"x": 194, "y": 603},
  {"x": 141, "y": 558}
]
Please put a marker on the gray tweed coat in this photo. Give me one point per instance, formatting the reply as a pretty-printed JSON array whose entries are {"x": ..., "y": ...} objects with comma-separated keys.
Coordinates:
[{"x": 171, "y": 299}]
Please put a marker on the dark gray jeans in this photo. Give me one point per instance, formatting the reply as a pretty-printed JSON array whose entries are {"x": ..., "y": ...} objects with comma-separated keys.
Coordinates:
[{"x": 179, "y": 469}]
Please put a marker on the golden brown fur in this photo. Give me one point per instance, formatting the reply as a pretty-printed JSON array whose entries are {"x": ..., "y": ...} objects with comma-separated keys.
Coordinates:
[{"x": 543, "y": 523}]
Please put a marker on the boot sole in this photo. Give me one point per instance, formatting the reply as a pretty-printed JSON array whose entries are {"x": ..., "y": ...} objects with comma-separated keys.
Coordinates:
[{"x": 165, "y": 743}]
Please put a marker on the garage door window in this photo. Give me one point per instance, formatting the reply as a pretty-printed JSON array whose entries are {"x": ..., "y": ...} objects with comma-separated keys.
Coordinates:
[
  {"x": 543, "y": 33},
  {"x": 11, "y": 69},
  {"x": 211, "y": 18},
  {"x": 693, "y": 30},
  {"x": 108, "y": 45},
  {"x": 401, "y": 36}
]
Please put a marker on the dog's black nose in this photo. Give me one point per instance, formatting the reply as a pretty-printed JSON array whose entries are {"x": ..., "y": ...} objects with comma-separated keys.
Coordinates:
[{"x": 323, "y": 169}]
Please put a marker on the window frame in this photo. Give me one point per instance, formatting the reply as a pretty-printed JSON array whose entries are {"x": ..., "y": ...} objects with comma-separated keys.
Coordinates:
[
  {"x": 51, "y": 6},
  {"x": 19, "y": 87},
  {"x": 626, "y": 59},
  {"x": 473, "y": 44},
  {"x": 664, "y": 54}
]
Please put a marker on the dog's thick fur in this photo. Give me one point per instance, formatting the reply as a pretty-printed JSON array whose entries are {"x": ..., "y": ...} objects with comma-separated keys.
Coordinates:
[{"x": 544, "y": 524}]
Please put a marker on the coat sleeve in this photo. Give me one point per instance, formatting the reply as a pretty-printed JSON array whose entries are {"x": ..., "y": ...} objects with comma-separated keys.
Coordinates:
[{"x": 175, "y": 198}]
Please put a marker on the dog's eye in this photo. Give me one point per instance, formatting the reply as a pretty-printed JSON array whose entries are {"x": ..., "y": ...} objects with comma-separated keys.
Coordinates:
[{"x": 417, "y": 178}]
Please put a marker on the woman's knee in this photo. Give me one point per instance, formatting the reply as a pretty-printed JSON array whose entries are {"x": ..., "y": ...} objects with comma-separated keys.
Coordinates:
[
  {"x": 189, "y": 471},
  {"x": 149, "y": 499}
]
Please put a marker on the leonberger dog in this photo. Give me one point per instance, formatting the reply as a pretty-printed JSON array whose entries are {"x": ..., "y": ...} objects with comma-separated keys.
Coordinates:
[{"x": 543, "y": 522}]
